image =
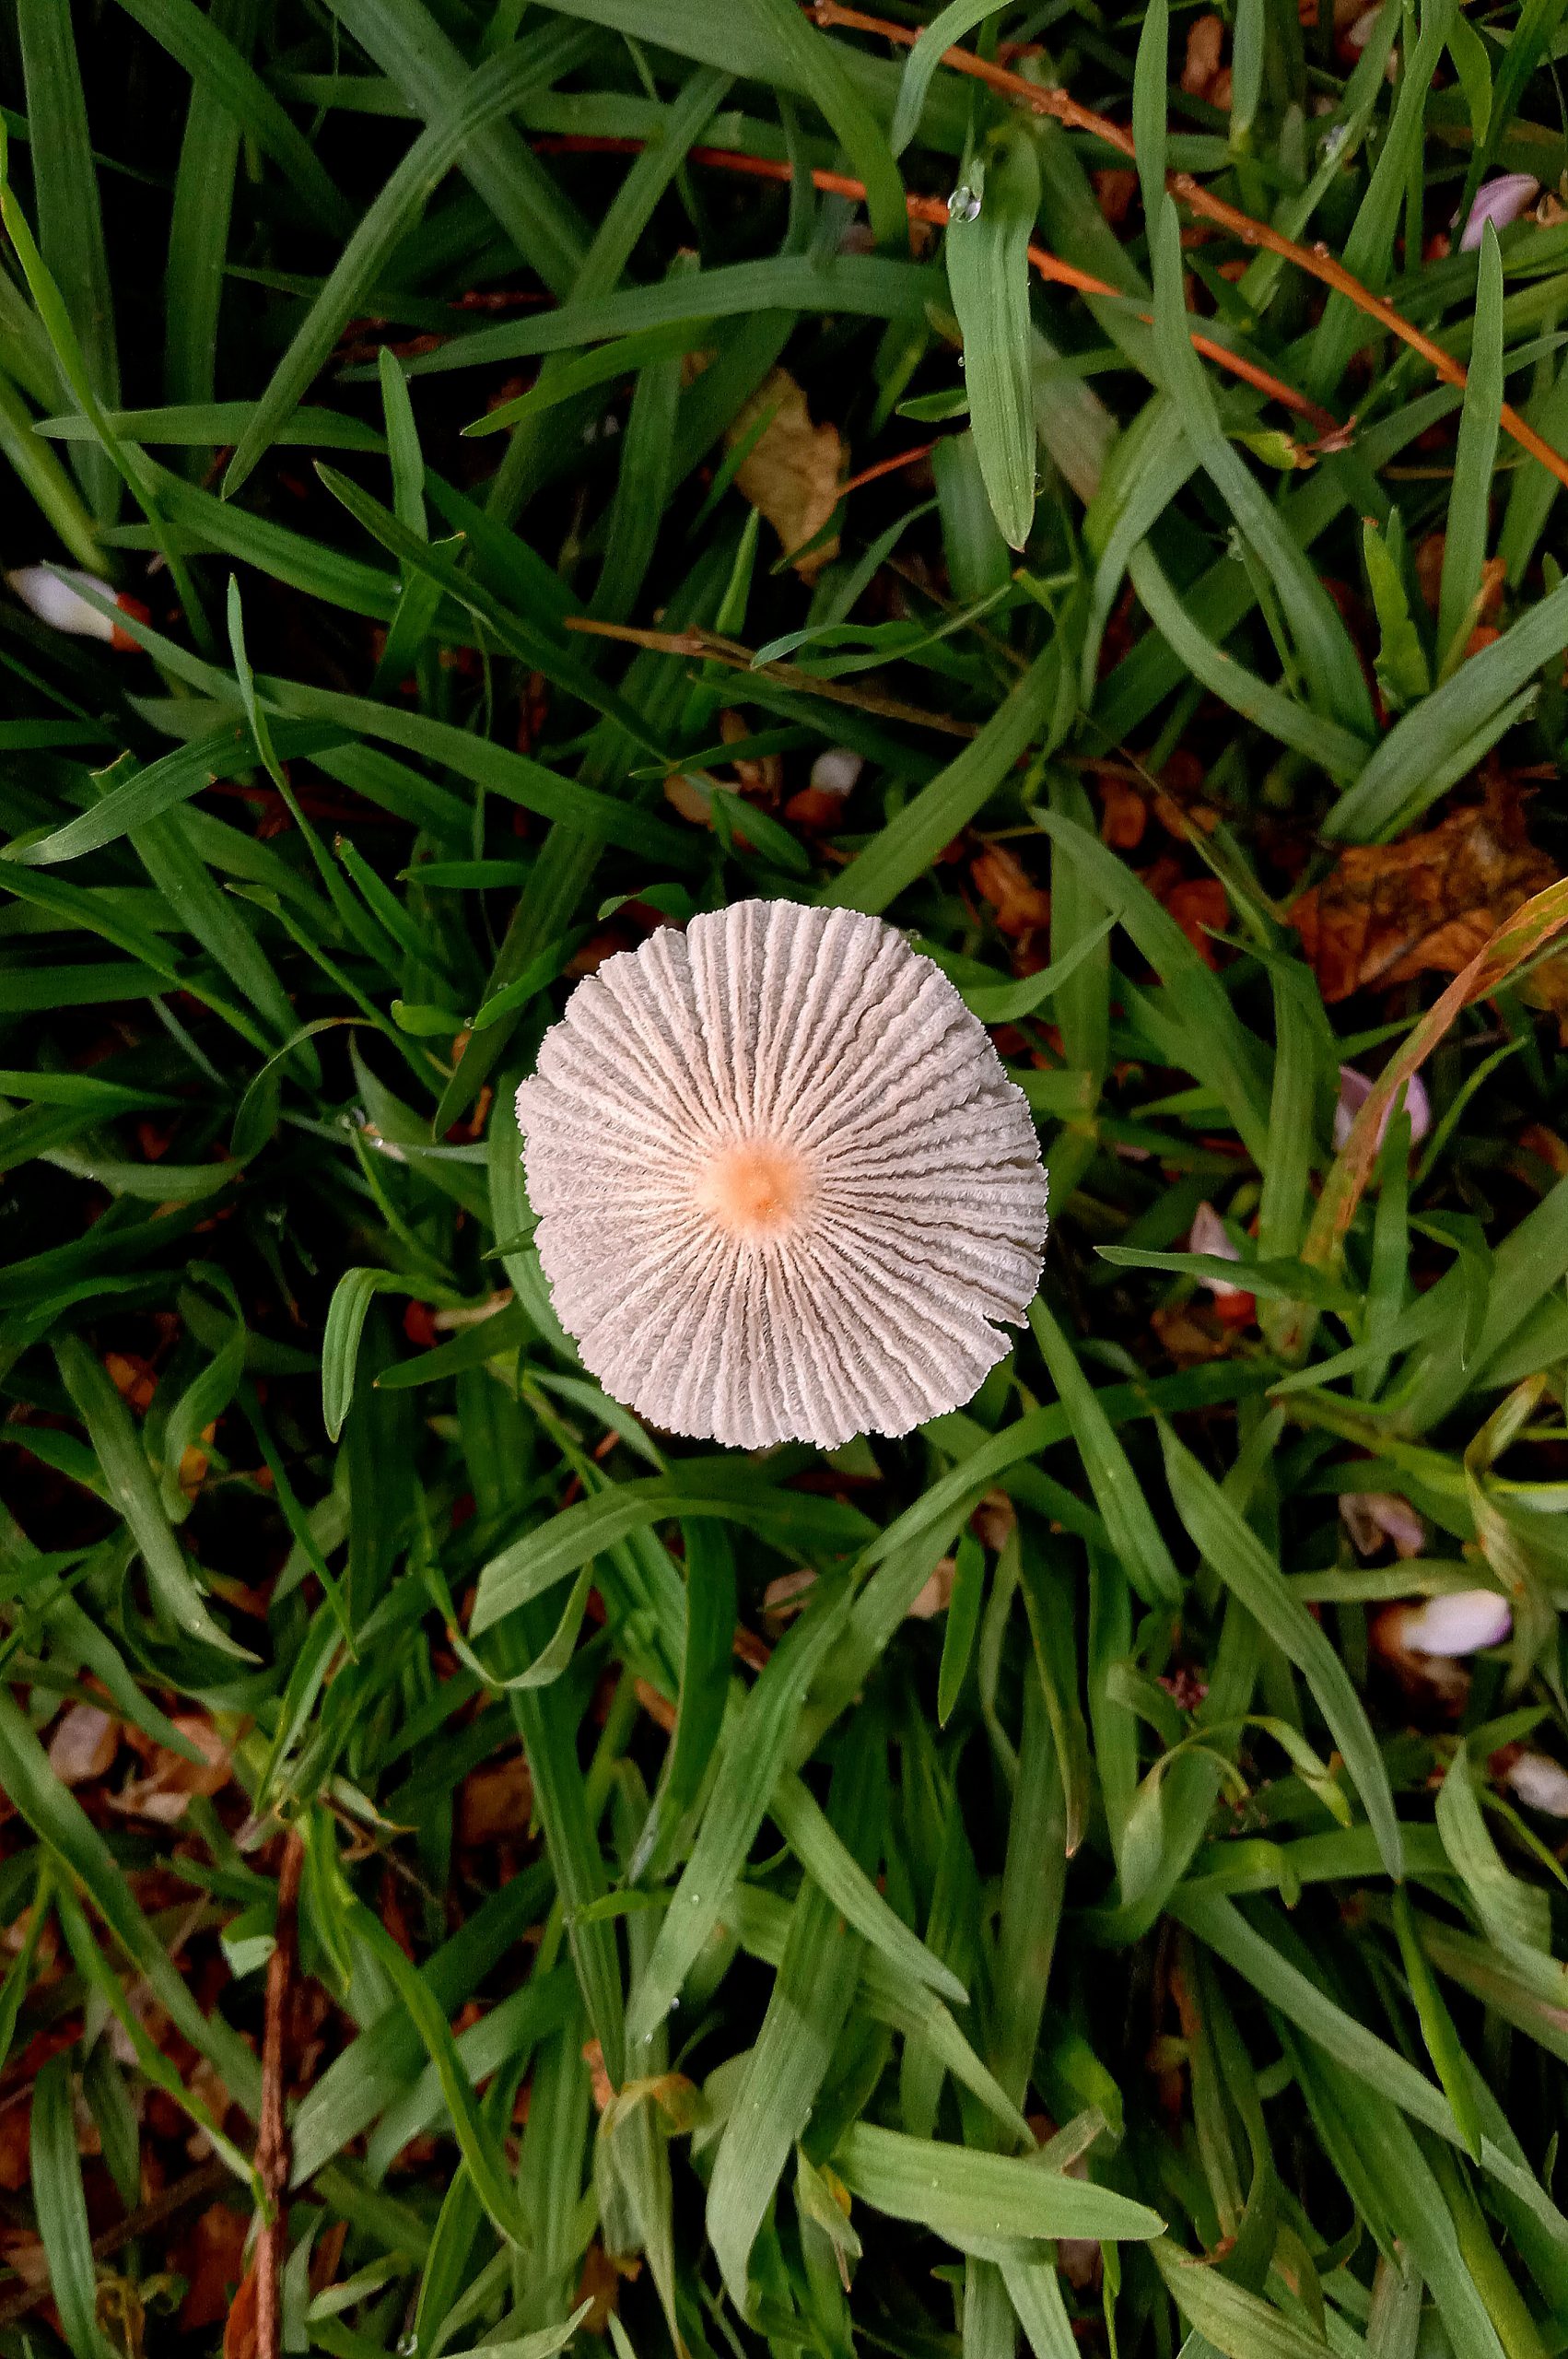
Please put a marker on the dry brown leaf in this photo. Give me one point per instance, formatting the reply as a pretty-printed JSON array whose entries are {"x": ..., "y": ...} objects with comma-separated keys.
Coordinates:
[
  {"x": 165, "y": 1792},
  {"x": 1391, "y": 911},
  {"x": 792, "y": 472},
  {"x": 83, "y": 1745},
  {"x": 601, "y": 2284},
  {"x": 1124, "y": 815},
  {"x": 1202, "y": 76},
  {"x": 211, "y": 2257},
  {"x": 994, "y": 1521},
  {"x": 599, "y": 2077},
  {"x": 16, "y": 2133},
  {"x": 495, "y": 1802},
  {"x": 240, "y": 2327},
  {"x": 1114, "y": 191},
  {"x": 763, "y": 777},
  {"x": 1201, "y": 906},
  {"x": 132, "y": 1379},
  {"x": 22, "y": 2251},
  {"x": 1000, "y": 878},
  {"x": 937, "y": 1595},
  {"x": 787, "y": 1593},
  {"x": 1189, "y": 1338}
]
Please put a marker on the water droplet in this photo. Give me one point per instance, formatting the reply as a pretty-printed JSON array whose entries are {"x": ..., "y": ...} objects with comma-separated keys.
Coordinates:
[{"x": 964, "y": 205}]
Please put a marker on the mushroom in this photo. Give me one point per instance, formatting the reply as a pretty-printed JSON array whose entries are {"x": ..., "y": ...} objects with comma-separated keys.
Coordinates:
[
  {"x": 54, "y": 594},
  {"x": 785, "y": 1190}
]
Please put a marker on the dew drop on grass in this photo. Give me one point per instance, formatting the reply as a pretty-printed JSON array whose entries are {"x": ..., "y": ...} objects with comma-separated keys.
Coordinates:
[{"x": 964, "y": 205}]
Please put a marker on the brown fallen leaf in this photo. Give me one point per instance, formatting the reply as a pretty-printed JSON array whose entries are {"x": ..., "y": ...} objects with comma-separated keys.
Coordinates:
[
  {"x": 240, "y": 2327},
  {"x": 1114, "y": 191},
  {"x": 762, "y": 778},
  {"x": 211, "y": 2257},
  {"x": 1000, "y": 878},
  {"x": 937, "y": 1594},
  {"x": 495, "y": 1802},
  {"x": 1202, "y": 76},
  {"x": 995, "y": 1520},
  {"x": 1200, "y": 906},
  {"x": 1391, "y": 911},
  {"x": 16, "y": 2136},
  {"x": 603, "y": 2086},
  {"x": 1124, "y": 814},
  {"x": 791, "y": 473},
  {"x": 165, "y": 1792},
  {"x": 599, "y": 2283}
]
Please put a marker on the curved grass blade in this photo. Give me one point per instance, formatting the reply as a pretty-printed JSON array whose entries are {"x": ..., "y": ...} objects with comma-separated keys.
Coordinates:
[
  {"x": 946, "y": 31},
  {"x": 62, "y": 2205},
  {"x": 1470, "y": 496},
  {"x": 981, "y": 2199},
  {"x": 482, "y": 100},
  {"x": 199, "y": 223},
  {"x": 1234, "y": 1549},
  {"x": 1038, "y": 707},
  {"x": 1331, "y": 666},
  {"x": 988, "y": 272},
  {"x": 816, "y": 67},
  {"x": 755, "y": 1751},
  {"x": 406, "y": 42},
  {"x": 134, "y": 1491},
  {"x": 70, "y": 225},
  {"x": 217, "y": 67}
]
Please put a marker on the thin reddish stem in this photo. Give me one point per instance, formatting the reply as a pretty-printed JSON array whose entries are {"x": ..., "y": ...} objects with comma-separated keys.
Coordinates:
[{"x": 887, "y": 468}]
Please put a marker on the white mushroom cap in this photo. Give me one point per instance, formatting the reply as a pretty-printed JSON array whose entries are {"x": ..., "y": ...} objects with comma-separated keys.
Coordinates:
[
  {"x": 54, "y": 595},
  {"x": 784, "y": 1187}
]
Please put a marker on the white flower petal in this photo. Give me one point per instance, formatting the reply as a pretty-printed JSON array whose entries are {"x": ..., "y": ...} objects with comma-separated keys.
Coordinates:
[
  {"x": 1540, "y": 1782},
  {"x": 835, "y": 771},
  {"x": 785, "y": 1190}
]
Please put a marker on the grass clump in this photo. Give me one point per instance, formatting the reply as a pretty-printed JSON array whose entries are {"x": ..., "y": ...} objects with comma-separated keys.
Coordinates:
[{"x": 480, "y": 1873}]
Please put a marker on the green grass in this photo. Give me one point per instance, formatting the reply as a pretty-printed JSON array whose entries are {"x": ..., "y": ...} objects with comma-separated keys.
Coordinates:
[{"x": 1120, "y": 1961}]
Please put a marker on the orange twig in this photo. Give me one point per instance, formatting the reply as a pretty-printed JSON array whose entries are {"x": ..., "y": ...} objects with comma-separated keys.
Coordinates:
[
  {"x": 930, "y": 208},
  {"x": 887, "y": 468},
  {"x": 1317, "y": 260}
]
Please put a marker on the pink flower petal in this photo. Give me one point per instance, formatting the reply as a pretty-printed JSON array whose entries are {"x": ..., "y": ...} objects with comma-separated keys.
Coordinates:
[
  {"x": 1372, "y": 1517},
  {"x": 1209, "y": 1235},
  {"x": 1355, "y": 1089},
  {"x": 1499, "y": 201}
]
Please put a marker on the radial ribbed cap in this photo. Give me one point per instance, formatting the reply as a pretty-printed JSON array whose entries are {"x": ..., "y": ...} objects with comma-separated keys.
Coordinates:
[{"x": 784, "y": 1187}]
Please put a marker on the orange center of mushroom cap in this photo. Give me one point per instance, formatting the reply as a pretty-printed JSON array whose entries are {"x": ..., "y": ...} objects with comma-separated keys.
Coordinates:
[{"x": 755, "y": 1189}]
